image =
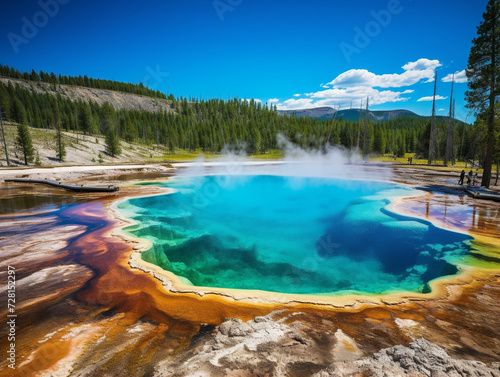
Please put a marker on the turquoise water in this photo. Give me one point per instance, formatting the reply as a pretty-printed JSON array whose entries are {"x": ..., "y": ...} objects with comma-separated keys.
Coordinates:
[{"x": 292, "y": 235}]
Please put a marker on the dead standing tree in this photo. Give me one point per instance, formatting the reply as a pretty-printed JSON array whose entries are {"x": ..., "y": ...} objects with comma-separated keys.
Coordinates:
[
  {"x": 359, "y": 125},
  {"x": 433, "y": 142},
  {"x": 365, "y": 139},
  {"x": 3, "y": 137},
  {"x": 449, "y": 155}
]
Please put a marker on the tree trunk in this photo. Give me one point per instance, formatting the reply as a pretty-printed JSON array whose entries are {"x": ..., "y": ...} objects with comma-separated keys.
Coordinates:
[
  {"x": 433, "y": 136},
  {"x": 490, "y": 147},
  {"x": 359, "y": 125},
  {"x": 365, "y": 139},
  {"x": 449, "y": 155},
  {"x": 490, "y": 137},
  {"x": 3, "y": 137},
  {"x": 496, "y": 182}
]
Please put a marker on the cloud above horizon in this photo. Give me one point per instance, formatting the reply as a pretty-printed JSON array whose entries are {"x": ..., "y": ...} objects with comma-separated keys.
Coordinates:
[
  {"x": 356, "y": 85},
  {"x": 460, "y": 77},
  {"x": 430, "y": 98},
  {"x": 414, "y": 72}
]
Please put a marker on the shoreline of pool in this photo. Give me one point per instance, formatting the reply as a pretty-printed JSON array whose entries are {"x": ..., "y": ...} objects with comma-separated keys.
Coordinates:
[{"x": 173, "y": 283}]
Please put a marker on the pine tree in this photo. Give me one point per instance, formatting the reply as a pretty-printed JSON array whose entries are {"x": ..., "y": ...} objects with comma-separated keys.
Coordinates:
[
  {"x": 87, "y": 120},
  {"x": 255, "y": 142},
  {"x": 24, "y": 144},
  {"x": 379, "y": 141},
  {"x": 18, "y": 111},
  {"x": 400, "y": 152},
  {"x": 113, "y": 143},
  {"x": 60, "y": 147},
  {"x": 34, "y": 76},
  {"x": 483, "y": 72}
]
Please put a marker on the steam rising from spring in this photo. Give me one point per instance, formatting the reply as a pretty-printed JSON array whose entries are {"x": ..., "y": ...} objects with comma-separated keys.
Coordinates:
[{"x": 329, "y": 161}]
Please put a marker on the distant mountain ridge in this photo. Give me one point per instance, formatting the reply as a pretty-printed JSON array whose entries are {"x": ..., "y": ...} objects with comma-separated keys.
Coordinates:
[
  {"x": 318, "y": 112},
  {"x": 353, "y": 114}
]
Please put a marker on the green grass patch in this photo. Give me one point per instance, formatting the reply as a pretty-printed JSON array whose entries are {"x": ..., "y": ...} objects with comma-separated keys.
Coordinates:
[{"x": 272, "y": 155}]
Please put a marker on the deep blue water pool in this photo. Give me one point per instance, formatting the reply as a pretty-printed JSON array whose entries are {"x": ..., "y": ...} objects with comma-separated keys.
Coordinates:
[{"x": 292, "y": 235}]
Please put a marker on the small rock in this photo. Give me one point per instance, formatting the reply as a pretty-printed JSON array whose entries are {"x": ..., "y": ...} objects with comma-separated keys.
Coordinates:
[
  {"x": 260, "y": 319},
  {"x": 226, "y": 326}
]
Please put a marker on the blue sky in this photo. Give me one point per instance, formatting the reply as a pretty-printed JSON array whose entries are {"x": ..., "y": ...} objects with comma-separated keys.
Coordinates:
[{"x": 295, "y": 53}]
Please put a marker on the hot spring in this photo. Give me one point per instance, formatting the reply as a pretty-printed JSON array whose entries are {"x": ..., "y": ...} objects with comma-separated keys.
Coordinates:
[{"x": 319, "y": 236}]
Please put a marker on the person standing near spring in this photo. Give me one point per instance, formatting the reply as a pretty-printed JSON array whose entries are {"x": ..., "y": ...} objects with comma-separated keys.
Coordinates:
[{"x": 462, "y": 176}]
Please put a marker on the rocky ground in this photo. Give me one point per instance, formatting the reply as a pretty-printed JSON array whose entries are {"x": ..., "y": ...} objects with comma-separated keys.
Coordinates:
[
  {"x": 268, "y": 347},
  {"x": 420, "y": 359},
  {"x": 112, "y": 174}
]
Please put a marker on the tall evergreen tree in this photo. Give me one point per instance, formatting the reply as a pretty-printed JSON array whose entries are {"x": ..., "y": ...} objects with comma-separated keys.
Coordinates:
[
  {"x": 113, "y": 142},
  {"x": 87, "y": 120},
  {"x": 60, "y": 147},
  {"x": 23, "y": 142},
  {"x": 18, "y": 111},
  {"x": 483, "y": 71},
  {"x": 379, "y": 141},
  {"x": 401, "y": 150}
]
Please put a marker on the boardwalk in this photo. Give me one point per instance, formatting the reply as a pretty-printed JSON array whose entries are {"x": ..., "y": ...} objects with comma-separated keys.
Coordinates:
[{"x": 66, "y": 186}]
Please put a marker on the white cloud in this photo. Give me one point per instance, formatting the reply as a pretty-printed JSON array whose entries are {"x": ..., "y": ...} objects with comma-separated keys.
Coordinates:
[
  {"x": 297, "y": 95},
  {"x": 356, "y": 85},
  {"x": 335, "y": 97},
  {"x": 292, "y": 104},
  {"x": 421, "y": 64},
  {"x": 430, "y": 98},
  {"x": 273, "y": 100},
  {"x": 460, "y": 77},
  {"x": 414, "y": 72}
]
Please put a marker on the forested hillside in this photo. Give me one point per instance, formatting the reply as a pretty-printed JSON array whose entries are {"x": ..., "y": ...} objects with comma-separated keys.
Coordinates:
[
  {"x": 85, "y": 81},
  {"x": 209, "y": 125}
]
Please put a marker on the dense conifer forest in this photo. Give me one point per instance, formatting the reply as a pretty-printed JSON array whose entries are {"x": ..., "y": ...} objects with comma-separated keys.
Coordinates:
[{"x": 208, "y": 125}]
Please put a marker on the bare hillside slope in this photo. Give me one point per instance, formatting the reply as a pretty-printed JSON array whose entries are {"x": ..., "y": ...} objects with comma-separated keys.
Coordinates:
[{"x": 118, "y": 100}]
